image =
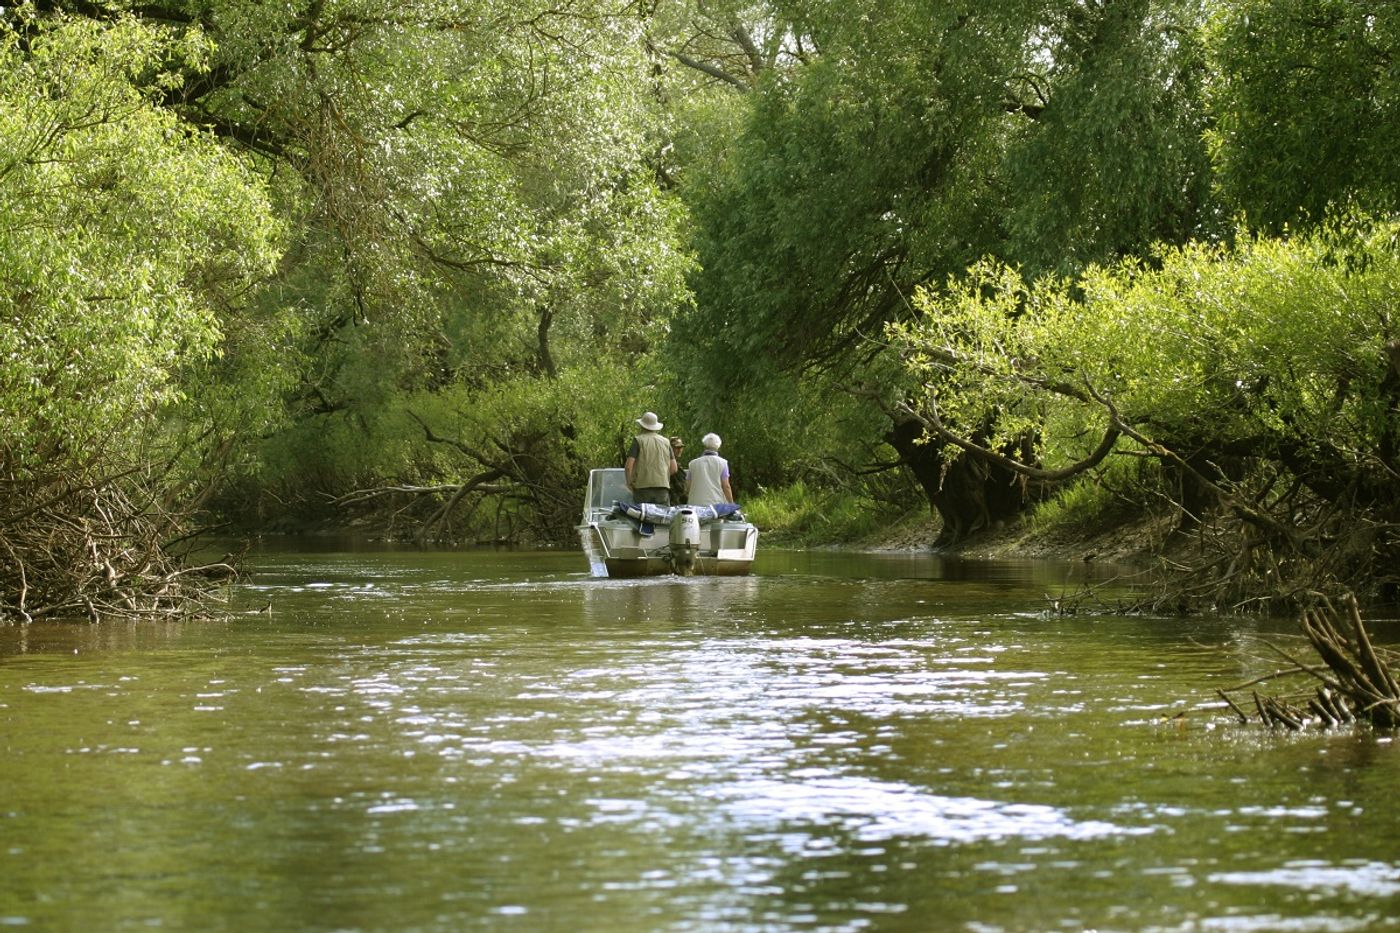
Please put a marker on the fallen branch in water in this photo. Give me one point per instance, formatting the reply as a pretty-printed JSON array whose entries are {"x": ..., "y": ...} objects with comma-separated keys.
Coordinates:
[
  {"x": 1356, "y": 682},
  {"x": 83, "y": 548},
  {"x": 1343, "y": 643}
]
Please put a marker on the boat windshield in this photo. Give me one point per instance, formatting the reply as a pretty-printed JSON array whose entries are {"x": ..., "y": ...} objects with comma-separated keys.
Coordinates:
[{"x": 606, "y": 487}]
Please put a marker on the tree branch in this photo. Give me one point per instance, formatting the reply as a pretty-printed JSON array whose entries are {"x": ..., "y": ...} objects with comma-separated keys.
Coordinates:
[
  {"x": 934, "y": 425},
  {"x": 740, "y": 34},
  {"x": 713, "y": 71},
  {"x": 1248, "y": 513}
]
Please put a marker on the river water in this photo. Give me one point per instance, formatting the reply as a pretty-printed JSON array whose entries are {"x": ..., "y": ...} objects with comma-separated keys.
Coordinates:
[{"x": 844, "y": 742}]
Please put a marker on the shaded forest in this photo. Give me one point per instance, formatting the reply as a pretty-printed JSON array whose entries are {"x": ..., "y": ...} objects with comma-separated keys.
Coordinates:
[{"x": 426, "y": 261}]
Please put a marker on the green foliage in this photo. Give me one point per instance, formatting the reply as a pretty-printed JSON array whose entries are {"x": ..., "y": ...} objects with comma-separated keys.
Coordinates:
[
  {"x": 475, "y": 209},
  {"x": 122, "y": 234},
  {"x": 1124, "y": 490},
  {"x": 1276, "y": 338},
  {"x": 526, "y": 223},
  {"x": 803, "y": 513},
  {"x": 1267, "y": 374},
  {"x": 912, "y": 140},
  {"x": 1115, "y": 160},
  {"x": 921, "y": 138},
  {"x": 1305, "y": 97},
  {"x": 1082, "y": 504}
]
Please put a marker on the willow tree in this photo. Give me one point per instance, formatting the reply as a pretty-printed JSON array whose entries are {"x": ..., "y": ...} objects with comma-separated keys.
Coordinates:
[
  {"x": 482, "y": 245},
  {"x": 1268, "y": 372},
  {"x": 125, "y": 238},
  {"x": 474, "y": 224},
  {"x": 471, "y": 219},
  {"x": 909, "y": 141},
  {"x": 1306, "y": 104}
]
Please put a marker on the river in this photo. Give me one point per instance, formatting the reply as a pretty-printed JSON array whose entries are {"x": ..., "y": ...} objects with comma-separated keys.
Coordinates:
[{"x": 495, "y": 740}]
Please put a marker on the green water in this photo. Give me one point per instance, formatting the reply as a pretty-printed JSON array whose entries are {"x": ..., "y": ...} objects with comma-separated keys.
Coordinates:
[{"x": 497, "y": 741}]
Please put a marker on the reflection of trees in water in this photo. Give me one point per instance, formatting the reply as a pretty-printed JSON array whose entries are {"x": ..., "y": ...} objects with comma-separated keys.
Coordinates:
[
  {"x": 70, "y": 638},
  {"x": 668, "y": 599}
]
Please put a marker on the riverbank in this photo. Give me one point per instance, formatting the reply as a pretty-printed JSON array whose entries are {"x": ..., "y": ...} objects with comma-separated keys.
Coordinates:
[
  {"x": 1138, "y": 540},
  {"x": 1116, "y": 537}
]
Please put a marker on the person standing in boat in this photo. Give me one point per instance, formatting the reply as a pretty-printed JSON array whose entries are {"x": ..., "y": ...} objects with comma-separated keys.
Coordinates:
[
  {"x": 678, "y": 480},
  {"x": 650, "y": 464},
  {"x": 707, "y": 476}
]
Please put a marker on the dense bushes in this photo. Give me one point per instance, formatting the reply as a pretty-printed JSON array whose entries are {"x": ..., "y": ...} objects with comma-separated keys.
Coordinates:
[
  {"x": 1265, "y": 377},
  {"x": 125, "y": 238}
]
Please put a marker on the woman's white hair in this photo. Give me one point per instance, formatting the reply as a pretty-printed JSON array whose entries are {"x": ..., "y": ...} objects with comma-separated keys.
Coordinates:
[{"x": 711, "y": 441}]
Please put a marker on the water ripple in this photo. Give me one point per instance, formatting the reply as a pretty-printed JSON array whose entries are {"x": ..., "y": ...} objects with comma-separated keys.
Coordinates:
[
  {"x": 880, "y": 811},
  {"x": 1370, "y": 879}
]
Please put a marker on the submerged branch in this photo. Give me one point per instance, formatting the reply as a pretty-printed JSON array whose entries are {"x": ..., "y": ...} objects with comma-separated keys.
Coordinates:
[
  {"x": 1355, "y": 682},
  {"x": 75, "y": 546}
]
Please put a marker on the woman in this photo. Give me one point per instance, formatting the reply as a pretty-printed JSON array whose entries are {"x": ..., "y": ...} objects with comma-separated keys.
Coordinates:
[{"x": 707, "y": 476}]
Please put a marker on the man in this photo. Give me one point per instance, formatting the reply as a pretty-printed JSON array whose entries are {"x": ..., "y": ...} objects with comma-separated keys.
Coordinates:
[
  {"x": 707, "y": 477},
  {"x": 678, "y": 480},
  {"x": 650, "y": 464}
]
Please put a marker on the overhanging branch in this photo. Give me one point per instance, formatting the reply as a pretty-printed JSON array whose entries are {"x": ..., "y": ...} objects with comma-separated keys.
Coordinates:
[
  {"x": 713, "y": 71},
  {"x": 934, "y": 425}
]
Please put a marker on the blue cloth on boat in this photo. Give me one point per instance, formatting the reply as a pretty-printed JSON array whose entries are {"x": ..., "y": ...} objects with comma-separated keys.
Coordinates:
[{"x": 649, "y": 514}]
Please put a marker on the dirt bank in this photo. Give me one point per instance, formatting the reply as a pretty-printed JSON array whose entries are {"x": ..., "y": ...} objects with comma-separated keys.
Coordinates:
[{"x": 1133, "y": 542}]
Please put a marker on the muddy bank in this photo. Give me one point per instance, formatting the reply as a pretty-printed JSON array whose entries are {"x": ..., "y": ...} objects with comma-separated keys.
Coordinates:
[{"x": 1139, "y": 541}]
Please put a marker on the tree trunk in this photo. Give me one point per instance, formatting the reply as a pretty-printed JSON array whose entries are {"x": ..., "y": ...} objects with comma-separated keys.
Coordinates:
[{"x": 968, "y": 494}]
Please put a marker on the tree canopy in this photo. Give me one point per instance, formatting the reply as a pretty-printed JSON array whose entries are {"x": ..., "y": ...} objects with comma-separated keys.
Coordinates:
[
  {"x": 921, "y": 138},
  {"x": 1306, "y": 98},
  {"x": 125, "y": 235},
  {"x": 440, "y": 253}
]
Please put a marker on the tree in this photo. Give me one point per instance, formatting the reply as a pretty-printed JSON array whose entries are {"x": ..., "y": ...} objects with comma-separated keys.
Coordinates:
[
  {"x": 478, "y": 213},
  {"x": 1268, "y": 374},
  {"x": 123, "y": 236},
  {"x": 471, "y": 200},
  {"x": 470, "y": 211},
  {"x": 1306, "y": 101},
  {"x": 918, "y": 140}
]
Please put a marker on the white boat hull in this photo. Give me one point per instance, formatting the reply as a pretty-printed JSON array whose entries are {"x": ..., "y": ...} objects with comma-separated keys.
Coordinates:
[
  {"x": 726, "y": 549},
  {"x": 617, "y": 547}
]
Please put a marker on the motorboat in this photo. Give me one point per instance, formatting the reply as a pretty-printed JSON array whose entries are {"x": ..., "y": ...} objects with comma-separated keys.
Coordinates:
[{"x": 625, "y": 539}]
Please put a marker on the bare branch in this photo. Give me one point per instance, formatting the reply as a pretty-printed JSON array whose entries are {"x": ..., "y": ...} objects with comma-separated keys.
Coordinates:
[{"x": 713, "y": 71}]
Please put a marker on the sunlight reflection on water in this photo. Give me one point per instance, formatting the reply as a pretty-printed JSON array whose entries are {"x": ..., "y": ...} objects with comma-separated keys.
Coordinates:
[
  {"x": 443, "y": 741},
  {"x": 877, "y": 811},
  {"x": 1372, "y": 879}
]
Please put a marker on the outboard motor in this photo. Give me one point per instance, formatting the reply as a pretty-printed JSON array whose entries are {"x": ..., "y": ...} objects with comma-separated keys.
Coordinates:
[{"x": 685, "y": 541}]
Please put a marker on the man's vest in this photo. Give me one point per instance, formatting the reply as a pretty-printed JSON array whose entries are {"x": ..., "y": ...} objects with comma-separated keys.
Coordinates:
[{"x": 653, "y": 467}]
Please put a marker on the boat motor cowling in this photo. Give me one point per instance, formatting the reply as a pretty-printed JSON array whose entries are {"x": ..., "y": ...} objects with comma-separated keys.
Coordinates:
[{"x": 685, "y": 541}]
